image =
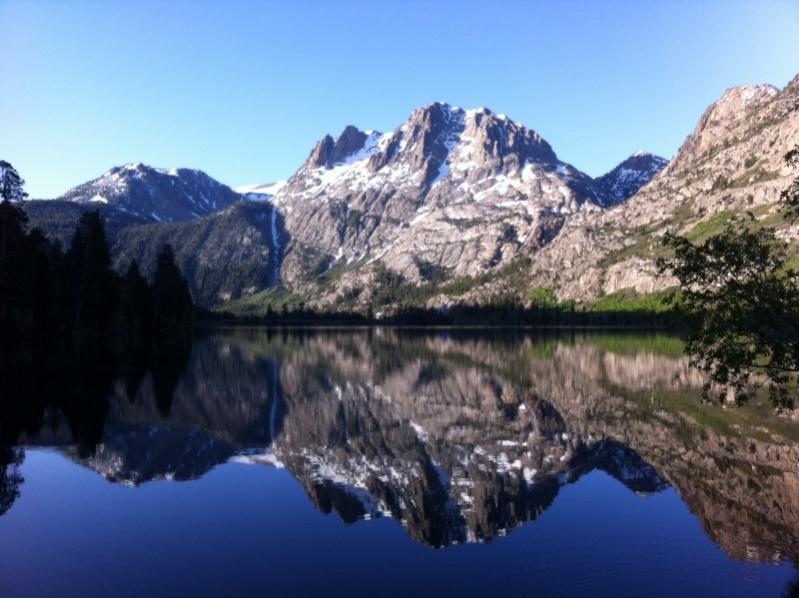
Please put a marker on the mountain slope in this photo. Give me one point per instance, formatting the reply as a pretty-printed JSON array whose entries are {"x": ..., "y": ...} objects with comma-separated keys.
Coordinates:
[
  {"x": 477, "y": 214},
  {"x": 732, "y": 162},
  {"x": 226, "y": 255},
  {"x": 450, "y": 193}
]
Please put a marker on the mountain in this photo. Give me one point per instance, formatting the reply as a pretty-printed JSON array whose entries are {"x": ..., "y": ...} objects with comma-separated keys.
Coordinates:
[
  {"x": 226, "y": 247},
  {"x": 449, "y": 193},
  {"x": 155, "y": 194},
  {"x": 226, "y": 255},
  {"x": 627, "y": 178},
  {"x": 452, "y": 206},
  {"x": 456, "y": 191},
  {"x": 732, "y": 162}
]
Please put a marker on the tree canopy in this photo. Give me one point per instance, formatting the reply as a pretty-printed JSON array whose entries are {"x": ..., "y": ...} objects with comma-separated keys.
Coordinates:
[
  {"x": 45, "y": 292},
  {"x": 11, "y": 184},
  {"x": 742, "y": 301}
]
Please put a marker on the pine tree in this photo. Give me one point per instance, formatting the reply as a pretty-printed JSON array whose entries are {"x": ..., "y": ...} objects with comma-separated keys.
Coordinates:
[
  {"x": 41, "y": 278},
  {"x": 13, "y": 245},
  {"x": 137, "y": 301},
  {"x": 172, "y": 303},
  {"x": 92, "y": 280},
  {"x": 11, "y": 184}
]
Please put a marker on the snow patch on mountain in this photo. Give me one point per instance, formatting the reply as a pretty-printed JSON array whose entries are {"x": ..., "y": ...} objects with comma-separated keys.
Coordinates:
[{"x": 157, "y": 194}]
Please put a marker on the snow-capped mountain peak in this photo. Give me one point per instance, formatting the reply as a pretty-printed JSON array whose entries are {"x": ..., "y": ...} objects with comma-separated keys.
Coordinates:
[
  {"x": 629, "y": 176},
  {"x": 367, "y": 195},
  {"x": 158, "y": 194}
]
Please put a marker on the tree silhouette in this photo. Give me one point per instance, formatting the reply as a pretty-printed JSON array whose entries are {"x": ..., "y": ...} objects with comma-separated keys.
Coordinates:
[
  {"x": 11, "y": 184},
  {"x": 137, "y": 300},
  {"x": 10, "y": 477},
  {"x": 93, "y": 281},
  {"x": 172, "y": 304},
  {"x": 13, "y": 252}
]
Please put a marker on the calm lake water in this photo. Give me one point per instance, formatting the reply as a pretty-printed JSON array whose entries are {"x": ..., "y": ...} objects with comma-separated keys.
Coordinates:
[{"x": 386, "y": 463}]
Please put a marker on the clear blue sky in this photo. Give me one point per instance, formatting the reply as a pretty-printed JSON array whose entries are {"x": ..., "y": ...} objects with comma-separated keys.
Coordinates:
[{"x": 244, "y": 89}]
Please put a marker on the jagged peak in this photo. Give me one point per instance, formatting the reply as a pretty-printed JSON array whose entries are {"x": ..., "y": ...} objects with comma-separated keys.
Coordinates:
[
  {"x": 627, "y": 177},
  {"x": 792, "y": 84},
  {"x": 351, "y": 145}
]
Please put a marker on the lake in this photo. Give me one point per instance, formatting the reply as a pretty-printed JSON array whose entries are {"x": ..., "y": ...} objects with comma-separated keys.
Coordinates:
[{"x": 390, "y": 463}]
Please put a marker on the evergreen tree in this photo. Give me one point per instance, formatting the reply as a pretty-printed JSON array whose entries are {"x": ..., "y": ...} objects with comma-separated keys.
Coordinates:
[
  {"x": 172, "y": 303},
  {"x": 13, "y": 242},
  {"x": 92, "y": 281},
  {"x": 42, "y": 262},
  {"x": 137, "y": 301},
  {"x": 11, "y": 184}
]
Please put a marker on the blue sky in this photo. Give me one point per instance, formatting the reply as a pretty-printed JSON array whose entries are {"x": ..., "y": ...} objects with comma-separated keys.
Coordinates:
[{"x": 244, "y": 89}]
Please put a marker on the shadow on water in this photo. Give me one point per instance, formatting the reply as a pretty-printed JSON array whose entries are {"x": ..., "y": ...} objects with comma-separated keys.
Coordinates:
[{"x": 459, "y": 435}]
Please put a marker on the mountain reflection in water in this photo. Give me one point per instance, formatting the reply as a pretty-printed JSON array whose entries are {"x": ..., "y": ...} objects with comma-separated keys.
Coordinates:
[{"x": 458, "y": 436}]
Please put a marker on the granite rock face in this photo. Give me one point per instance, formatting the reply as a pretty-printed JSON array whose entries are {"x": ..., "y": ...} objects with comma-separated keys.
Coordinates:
[
  {"x": 732, "y": 162},
  {"x": 467, "y": 191}
]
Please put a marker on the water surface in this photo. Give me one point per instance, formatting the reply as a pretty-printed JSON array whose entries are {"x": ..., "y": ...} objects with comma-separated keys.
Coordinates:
[{"x": 368, "y": 463}]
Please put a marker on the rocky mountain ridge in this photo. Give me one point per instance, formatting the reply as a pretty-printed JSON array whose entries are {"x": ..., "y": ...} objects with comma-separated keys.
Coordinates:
[
  {"x": 457, "y": 190},
  {"x": 626, "y": 179},
  {"x": 731, "y": 163},
  {"x": 465, "y": 190},
  {"x": 155, "y": 194},
  {"x": 453, "y": 199}
]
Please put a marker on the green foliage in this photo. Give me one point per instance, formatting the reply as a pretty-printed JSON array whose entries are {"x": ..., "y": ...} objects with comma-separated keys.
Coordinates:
[
  {"x": 630, "y": 301},
  {"x": 741, "y": 294},
  {"x": 430, "y": 272},
  {"x": 790, "y": 195},
  {"x": 543, "y": 297},
  {"x": 711, "y": 226},
  {"x": 743, "y": 307},
  {"x": 275, "y": 299},
  {"x": 88, "y": 262}
]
